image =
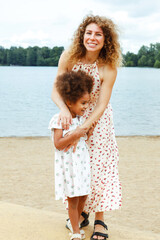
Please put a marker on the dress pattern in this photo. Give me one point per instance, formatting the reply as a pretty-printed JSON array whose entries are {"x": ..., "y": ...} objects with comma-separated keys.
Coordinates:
[
  {"x": 72, "y": 170},
  {"x": 104, "y": 157}
]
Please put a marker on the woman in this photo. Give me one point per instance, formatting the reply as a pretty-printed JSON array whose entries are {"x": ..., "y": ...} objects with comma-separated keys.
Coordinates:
[{"x": 95, "y": 49}]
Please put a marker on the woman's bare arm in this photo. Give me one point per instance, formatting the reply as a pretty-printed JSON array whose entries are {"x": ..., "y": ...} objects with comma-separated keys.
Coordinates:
[
  {"x": 109, "y": 77},
  {"x": 65, "y": 115}
]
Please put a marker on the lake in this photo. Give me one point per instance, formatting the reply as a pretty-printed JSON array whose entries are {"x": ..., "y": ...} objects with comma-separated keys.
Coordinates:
[{"x": 26, "y": 106}]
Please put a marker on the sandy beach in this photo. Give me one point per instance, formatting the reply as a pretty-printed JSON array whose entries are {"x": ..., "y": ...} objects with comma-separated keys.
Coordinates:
[{"x": 28, "y": 210}]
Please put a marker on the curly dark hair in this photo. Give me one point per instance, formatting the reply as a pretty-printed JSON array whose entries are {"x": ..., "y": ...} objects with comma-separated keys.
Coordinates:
[
  {"x": 111, "y": 51},
  {"x": 73, "y": 85}
]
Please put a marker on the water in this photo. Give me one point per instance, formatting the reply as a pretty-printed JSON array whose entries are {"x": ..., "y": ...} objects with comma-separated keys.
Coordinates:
[{"x": 26, "y": 106}]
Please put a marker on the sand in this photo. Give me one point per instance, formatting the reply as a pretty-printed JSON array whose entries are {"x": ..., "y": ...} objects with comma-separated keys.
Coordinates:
[{"x": 28, "y": 210}]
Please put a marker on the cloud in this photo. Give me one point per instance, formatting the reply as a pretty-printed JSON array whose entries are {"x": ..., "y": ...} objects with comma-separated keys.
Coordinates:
[
  {"x": 141, "y": 31},
  {"x": 52, "y": 23},
  {"x": 25, "y": 38},
  {"x": 137, "y": 8},
  {"x": 29, "y": 35}
]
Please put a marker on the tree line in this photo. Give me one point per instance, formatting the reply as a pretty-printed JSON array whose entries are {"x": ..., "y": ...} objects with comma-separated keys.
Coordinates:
[
  {"x": 31, "y": 56},
  {"x": 45, "y": 56},
  {"x": 146, "y": 57}
]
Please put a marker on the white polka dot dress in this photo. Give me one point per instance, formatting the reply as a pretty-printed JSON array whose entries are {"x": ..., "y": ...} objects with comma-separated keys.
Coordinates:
[
  {"x": 105, "y": 185},
  {"x": 72, "y": 170}
]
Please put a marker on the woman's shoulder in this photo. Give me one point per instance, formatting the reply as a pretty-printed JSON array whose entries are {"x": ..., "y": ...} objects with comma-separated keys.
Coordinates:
[
  {"x": 106, "y": 70},
  {"x": 105, "y": 66},
  {"x": 65, "y": 60}
]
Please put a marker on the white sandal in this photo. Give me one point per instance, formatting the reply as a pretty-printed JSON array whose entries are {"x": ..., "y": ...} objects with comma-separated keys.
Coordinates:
[
  {"x": 82, "y": 232},
  {"x": 76, "y": 235},
  {"x": 69, "y": 226}
]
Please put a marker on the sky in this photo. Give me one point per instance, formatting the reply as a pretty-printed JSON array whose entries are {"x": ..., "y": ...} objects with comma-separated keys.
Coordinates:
[{"x": 52, "y": 23}]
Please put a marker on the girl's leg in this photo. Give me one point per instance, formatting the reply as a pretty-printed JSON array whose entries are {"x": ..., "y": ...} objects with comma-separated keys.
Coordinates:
[
  {"x": 73, "y": 213},
  {"x": 82, "y": 200}
]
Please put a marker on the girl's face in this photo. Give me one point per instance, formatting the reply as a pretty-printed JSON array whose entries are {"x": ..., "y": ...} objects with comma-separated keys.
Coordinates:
[
  {"x": 80, "y": 106},
  {"x": 93, "y": 38}
]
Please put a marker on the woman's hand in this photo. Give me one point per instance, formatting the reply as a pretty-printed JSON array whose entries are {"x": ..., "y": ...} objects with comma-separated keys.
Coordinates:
[
  {"x": 66, "y": 119},
  {"x": 80, "y": 132},
  {"x": 90, "y": 131},
  {"x": 74, "y": 145}
]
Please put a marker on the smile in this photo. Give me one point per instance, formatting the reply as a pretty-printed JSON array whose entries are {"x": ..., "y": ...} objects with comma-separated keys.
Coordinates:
[{"x": 92, "y": 45}]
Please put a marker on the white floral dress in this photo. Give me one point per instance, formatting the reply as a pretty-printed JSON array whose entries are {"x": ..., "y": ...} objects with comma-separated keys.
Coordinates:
[
  {"x": 105, "y": 185},
  {"x": 72, "y": 170}
]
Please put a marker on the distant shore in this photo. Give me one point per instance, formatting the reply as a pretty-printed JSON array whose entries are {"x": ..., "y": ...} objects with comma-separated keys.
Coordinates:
[
  {"x": 27, "y": 179},
  {"x": 147, "y": 56}
]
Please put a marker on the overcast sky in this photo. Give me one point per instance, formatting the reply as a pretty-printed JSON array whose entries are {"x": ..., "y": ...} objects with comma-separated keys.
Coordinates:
[{"x": 53, "y": 22}]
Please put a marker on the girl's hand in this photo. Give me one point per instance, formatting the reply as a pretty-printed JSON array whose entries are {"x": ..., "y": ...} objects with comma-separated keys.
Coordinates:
[{"x": 66, "y": 119}]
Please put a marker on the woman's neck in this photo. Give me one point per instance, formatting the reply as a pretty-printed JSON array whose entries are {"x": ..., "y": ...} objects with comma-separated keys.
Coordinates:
[{"x": 90, "y": 58}]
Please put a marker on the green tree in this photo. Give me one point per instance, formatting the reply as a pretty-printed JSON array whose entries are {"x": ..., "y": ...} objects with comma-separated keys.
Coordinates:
[
  {"x": 130, "y": 59},
  {"x": 151, "y": 55},
  {"x": 21, "y": 56},
  {"x": 12, "y": 56},
  {"x": 2, "y": 55},
  {"x": 157, "y": 64},
  {"x": 31, "y": 58},
  {"x": 157, "y": 56},
  {"x": 143, "y": 51},
  {"x": 55, "y": 55},
  {"x": 40, "y": 58},
  {"x": 150, "y": 62},
  {"x": 142, "y": 62}
]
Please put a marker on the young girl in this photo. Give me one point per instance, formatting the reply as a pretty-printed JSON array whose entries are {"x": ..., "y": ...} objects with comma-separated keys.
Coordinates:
[{"x": 72, "y": 169}]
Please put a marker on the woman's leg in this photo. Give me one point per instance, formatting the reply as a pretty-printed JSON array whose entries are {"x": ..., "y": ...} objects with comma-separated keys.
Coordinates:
[
  {"x": 84, "y": 218},
  {"x": 99, "y": 228},
  {"x": 73, "y": 213}
]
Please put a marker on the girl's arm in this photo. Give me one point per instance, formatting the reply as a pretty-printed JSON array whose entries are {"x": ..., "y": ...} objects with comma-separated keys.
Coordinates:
[
  {"x": 109, "y": 77},
  {"x": 61, "y": 142},
  {"x": 65, "y": 115}
]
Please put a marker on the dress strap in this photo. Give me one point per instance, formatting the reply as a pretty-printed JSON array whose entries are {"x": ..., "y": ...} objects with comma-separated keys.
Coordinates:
[{"x": 87, "y": 64}]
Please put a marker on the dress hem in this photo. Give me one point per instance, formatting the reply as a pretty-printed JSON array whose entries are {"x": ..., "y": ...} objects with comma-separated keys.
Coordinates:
[{"x": 105, "y": 210}]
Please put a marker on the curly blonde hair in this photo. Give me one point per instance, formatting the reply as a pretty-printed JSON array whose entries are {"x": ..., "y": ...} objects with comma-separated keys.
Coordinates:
[{"x": 110, "y": 53}]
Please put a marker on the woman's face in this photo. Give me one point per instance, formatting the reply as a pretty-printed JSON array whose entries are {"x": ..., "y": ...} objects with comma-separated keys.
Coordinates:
[{"x": 93, "y": 38}]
